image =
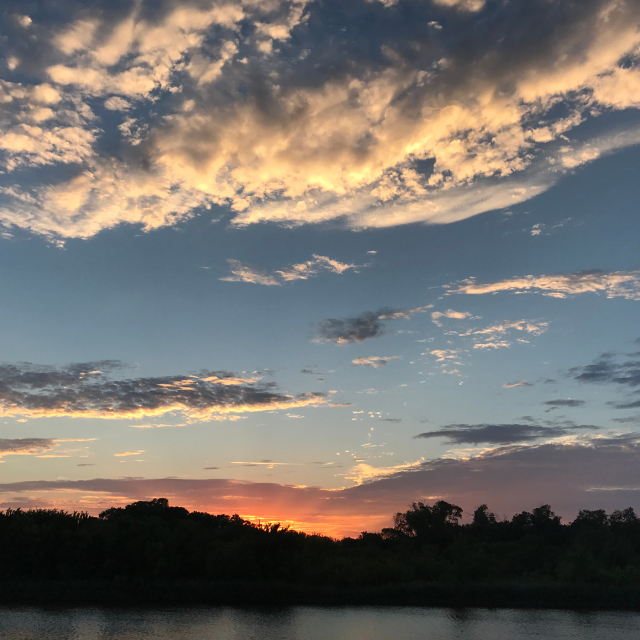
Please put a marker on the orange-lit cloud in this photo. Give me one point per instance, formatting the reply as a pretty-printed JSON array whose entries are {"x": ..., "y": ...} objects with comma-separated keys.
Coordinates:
[
  {"x": 417, "y": 128},
  {"x": 574, "y": 472},
  {"x": 614, "y": 284},
  {"x": 36, "y": 446},
  {"x": 38, "y": 391},
  {"x": 241, "y": 272}
]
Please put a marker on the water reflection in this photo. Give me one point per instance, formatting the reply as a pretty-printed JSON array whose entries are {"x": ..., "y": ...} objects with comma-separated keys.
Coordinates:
[{"x": 314, "y": 623}]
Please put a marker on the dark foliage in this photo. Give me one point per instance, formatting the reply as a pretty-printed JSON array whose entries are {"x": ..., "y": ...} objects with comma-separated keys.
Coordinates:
[{"x": 152, "y": 541}]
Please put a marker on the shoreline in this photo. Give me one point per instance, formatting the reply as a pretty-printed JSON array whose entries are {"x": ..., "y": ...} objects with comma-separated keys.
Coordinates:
[{"x": 260, "y": 594}]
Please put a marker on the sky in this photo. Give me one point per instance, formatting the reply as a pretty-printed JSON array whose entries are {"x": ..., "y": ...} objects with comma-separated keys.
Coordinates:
[{"x": 311, "y": 261}]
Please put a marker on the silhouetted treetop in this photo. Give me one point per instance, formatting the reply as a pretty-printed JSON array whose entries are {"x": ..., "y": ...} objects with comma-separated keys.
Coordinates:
[{"x": 152, "y": 540}]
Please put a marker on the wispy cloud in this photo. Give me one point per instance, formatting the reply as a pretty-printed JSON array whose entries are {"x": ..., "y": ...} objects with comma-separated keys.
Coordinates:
[
  {"x": 565, "y": 403},
  {"x": 519, "y": 383},
  {"x": 614, "y": 284},
  {"x": 534, "y": 327},
  {"x": 495, "y": 344},
  {"x": 436, "y": 316},
  {"x": 375, "y": 361},
  {"x": 33, "y": 446},
  {"x": 608, "y": 369},
  {"x": 611, "y": 369},
  {"x": 366, "y": 325},
  {"x": 242, "y": 272},
  {"x": 501, "y": 434},
  {"x": 77, "y": 391},
  {"x": 446, "y": 354}
]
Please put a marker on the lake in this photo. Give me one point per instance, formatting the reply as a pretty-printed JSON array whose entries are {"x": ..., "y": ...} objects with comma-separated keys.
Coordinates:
[{"x": 314, "y": 623}]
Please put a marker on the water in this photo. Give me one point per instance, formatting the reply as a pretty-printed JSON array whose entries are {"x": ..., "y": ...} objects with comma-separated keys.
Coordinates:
[{"x": 314, "y": 623}]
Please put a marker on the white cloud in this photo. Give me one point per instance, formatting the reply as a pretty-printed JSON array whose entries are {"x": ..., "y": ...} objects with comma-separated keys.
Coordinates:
[
  {"x": 450, "y": 313},
  {"x": 614, "y": 284},
  {"x": 534, "y": 327},
  {"x": 445, "y": 354},
  {"x": 35, "y": 134},
  {"x": 512, "y": 385},
  {"x": 497, "y": 344},
  {"x": 335, "y": 146},
  {"x": 242, "y": 272},
  {"x": 375, "y": 361},
  {"x": 463, "y": 5},
  {"x": 116, "y": 103}
]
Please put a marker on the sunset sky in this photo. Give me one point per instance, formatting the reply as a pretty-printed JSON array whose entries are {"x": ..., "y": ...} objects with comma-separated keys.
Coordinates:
[{"x": 311, "y": 261}]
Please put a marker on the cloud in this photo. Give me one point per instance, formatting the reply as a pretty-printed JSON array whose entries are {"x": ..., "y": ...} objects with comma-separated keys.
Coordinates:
[
  {"x": 450, "y": 313},
  {"x": 520, "y": 383},
  {"x": 494, "y": 334},
  {"x": 40, "y": 126},
  {"x": 242, "y": 272},
  {"x": 375, "y": 361},
  {"x": 497, "y": 433},
  {"x": 497, "y": 344},
  {"x": 366, "y": 325},
  {"x": 564, "y": 403},
  {"x": 239, "y": 104},
  {"x": 83, "y": 391},
  {"x": 116, "y": 103},
  {"x": 614, "y": 284},
  {"x": 462, "y": 5},
  {"x": 579, "y": 472},
  {"x": 34, "y": 446},
  {"x": 446, "y": 354},
  {"x": 128, "y": 453},
  {"x": 25, "y": 446},
  {"x": 608, "y": 370},
  {"x": 527, "y": 326}
]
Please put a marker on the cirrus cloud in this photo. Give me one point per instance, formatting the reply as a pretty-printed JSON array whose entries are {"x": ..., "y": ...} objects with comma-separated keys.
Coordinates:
[
  {"x": 614, "y": 284},
  {"x": 242, "y": 272},
  {"x": 375, "y": 361}
]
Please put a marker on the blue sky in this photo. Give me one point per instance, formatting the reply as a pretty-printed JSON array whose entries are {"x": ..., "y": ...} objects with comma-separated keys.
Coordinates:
[{"x": 310, "y": 262}]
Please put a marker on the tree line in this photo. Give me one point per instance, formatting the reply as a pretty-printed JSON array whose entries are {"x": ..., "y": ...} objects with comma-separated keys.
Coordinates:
[{"x": 151, "y": 540}]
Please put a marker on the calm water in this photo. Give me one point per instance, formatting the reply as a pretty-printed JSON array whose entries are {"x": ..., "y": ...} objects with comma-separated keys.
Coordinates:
[{"x": 314, "y": 623}]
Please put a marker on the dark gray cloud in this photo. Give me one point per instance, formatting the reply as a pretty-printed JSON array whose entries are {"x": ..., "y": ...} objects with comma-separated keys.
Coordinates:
[
  {"x": 366, "y": 325},
  {"x": 25, "y": 445},
  {"x": 500, "y": 433},
  {"x": 634, "y": 404},
  {"x": 609, "y": 370},
  {"x": 88, "y": 390},
  {"x": 362, "y": 327},
  {"x": 564, "y": 403},
  {"x": 627, "y": 420}
]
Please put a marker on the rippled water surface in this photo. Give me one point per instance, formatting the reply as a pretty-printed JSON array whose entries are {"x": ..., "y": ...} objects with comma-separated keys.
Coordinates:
[{"x": 313, "y": 623}]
